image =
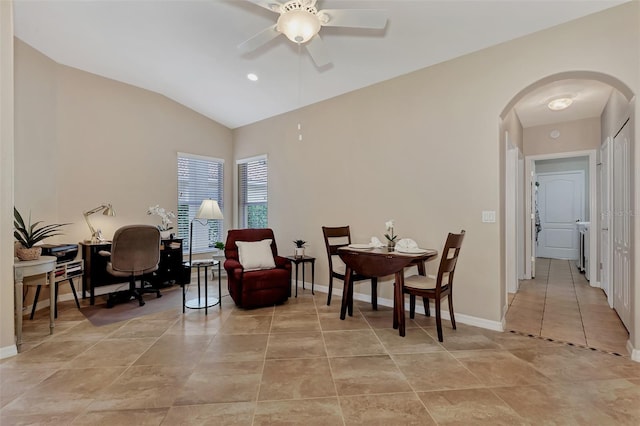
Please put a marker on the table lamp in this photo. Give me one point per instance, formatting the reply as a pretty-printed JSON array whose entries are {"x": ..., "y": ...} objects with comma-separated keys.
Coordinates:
[
  {"x": 96, "y": 235},
  {"x": 209, "y": 209}
]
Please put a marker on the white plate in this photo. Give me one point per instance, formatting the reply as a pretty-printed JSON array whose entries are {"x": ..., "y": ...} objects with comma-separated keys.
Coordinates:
[
  {"x": 412, "y": 250},
  {"x": 360, "y": 246}
]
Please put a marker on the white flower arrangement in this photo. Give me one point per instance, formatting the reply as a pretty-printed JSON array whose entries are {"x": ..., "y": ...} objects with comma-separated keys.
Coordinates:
[
  {"x": 390, "y": 236},
  {"x": 165, "y": 215}
]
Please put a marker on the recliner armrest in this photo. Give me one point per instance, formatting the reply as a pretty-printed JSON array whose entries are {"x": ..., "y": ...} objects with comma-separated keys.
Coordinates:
[
  {"x": 282, "y": 262},
  {"x": 231, "y": 264}
]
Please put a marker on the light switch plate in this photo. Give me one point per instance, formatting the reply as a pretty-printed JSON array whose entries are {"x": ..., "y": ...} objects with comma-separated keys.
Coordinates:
[{"x": 488, "y": 216}]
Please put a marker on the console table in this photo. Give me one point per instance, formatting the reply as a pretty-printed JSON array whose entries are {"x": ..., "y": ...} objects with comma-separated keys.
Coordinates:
[
  {"x": 27, "y": 268},
  {"x": 170, "y": 268}
]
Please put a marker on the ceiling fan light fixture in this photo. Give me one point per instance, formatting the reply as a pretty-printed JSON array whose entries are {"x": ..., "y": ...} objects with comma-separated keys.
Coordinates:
[
  {"x": 298, "y": 25},
  {"x": 559, "y": 104}
]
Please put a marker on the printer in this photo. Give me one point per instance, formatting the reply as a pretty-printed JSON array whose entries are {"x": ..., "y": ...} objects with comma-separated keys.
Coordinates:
[{"x": 63, "y": 252}]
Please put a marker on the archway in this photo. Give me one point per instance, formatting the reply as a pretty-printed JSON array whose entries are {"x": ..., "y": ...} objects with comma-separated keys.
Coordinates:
[{"x": 611, "y": 119}]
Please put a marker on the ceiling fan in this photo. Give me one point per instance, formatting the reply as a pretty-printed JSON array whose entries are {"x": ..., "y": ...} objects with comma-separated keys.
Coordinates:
[{"x": 300, "y": 22}]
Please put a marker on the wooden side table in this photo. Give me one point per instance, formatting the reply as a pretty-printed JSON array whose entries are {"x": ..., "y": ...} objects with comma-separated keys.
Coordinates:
[
  {"x": 304, "y": 259},
  {"x": 27, "y": 268}
]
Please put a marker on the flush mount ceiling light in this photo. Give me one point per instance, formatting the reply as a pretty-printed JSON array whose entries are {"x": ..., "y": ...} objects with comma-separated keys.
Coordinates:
[
  {"x": 558, "y": 104},
  {"x": 251, "y": 76}
]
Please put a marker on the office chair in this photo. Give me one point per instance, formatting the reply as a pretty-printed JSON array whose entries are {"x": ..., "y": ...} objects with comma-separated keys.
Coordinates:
[{"x": 135, "y": 252}]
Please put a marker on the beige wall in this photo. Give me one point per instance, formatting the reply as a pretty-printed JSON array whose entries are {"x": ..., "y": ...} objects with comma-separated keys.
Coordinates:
[
  {"x": 7, "y": 339},
  {"x": 107, "y": 142},
  {"x": 576, "y": 135},
  {"x": 424, "y": 149}
]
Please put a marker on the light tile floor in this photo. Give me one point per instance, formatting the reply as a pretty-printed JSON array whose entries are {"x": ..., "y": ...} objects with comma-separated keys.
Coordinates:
[
  {"x": 298, "y": 363},
  {"x": 560, "y": 304}
]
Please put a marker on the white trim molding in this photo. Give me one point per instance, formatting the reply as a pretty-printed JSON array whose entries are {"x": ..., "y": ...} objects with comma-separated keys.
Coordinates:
[{"x": 461, "y": 318}]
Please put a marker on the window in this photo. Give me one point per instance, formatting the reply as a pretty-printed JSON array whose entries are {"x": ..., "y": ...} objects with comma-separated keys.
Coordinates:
[
  {"x": 252, "y": 193},
  {"x": 199, "y": 178}
]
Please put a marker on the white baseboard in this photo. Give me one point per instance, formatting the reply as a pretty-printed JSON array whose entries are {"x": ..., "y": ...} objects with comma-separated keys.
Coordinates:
[
  {"x": 633, "y": 352},
  {"x": 8, "y": 351},
  {"x": 461, "y": 318}
]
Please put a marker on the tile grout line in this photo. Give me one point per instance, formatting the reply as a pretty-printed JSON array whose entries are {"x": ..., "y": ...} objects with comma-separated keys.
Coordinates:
[{"x": 573, "y": 285}]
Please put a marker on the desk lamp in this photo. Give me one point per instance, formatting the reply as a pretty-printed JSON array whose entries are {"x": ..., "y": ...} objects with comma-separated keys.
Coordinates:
[
  {"x": 209, "y": 210},
  {"x": 96, "y": 235}
]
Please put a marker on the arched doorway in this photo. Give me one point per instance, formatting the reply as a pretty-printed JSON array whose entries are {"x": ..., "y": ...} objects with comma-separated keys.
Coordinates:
[{"x": 523, "y": 116}]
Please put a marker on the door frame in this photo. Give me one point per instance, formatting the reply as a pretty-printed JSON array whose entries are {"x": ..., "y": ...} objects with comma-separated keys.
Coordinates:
[
  {"x": 605, "y": 219},
  {"x": 530, "y": 168},
  {"x": 513, "y": 224}
]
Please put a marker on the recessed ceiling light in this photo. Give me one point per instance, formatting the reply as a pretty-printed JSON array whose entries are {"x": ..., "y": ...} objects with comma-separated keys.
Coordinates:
[
  {"x": 251, "y": 76},
  {"x": 559, "y": 104}
]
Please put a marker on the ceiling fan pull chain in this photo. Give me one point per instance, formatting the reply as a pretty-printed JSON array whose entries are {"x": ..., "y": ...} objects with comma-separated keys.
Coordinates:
[{"x": 299, "y": 91}]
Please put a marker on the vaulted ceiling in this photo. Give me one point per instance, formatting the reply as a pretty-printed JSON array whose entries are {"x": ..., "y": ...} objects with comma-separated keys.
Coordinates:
[{"x": 187, "y": 50}]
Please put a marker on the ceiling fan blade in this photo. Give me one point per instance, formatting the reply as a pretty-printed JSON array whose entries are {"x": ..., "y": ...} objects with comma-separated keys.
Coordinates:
[
  {"x": 259, "y": 39},
  {"x": 271, "y": 5},
  {"x": 354, "y": 18},
  {"x": 318, "y": 51}
]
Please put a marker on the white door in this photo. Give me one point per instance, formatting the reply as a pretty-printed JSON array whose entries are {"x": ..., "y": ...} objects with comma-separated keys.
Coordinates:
[
  {"x": 621, "y": 222},
  {"x": 560, "y": 205},
  {"x": 605, "y": 221}
]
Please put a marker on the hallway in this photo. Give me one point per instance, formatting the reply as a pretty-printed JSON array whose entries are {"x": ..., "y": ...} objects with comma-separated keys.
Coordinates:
[{"x": 560, "y": 304}]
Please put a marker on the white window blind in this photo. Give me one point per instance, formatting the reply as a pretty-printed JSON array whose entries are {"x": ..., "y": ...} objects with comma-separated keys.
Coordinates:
[
  {"x": 252, "y": 193},
  {"x": 199, "y": 178}
]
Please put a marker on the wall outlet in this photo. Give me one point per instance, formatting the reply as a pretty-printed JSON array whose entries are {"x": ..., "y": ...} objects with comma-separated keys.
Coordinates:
[{"x": 488, "y": 216}]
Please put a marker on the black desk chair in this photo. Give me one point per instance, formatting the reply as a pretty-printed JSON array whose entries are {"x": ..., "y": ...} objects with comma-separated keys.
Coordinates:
[{"x": 135, "y": 252}]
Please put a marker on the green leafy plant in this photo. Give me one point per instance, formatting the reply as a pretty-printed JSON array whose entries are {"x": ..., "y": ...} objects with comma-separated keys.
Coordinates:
[
  {"x": 30, "y": 234},
  {"x": 219, "y": 245},
  {"x": 299, "y": 243}
]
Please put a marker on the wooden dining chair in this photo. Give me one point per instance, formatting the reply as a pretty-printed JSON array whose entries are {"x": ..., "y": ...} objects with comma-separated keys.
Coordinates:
[
  {"x": 334, "y": 238},
  {"x": 429, "y": 288}
]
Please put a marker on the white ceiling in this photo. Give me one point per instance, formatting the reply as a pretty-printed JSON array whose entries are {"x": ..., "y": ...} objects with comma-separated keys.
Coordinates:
[{"x": 186, "y": 50}]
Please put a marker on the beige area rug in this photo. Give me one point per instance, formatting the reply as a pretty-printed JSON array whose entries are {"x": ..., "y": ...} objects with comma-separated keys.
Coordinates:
[{"x": 100, "y": 315}]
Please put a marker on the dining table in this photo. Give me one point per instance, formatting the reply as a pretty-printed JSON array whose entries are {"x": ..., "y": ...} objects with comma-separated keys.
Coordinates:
[{"x": 381, "y": 262}]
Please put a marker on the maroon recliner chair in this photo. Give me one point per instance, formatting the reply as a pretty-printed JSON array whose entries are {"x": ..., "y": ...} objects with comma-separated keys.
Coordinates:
[{"x": 253, "y": 289}]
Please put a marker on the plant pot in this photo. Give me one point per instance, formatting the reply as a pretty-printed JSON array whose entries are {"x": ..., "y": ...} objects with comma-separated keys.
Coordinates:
[
  {"x": 299, "y": 251},
  {"x": 32, "y": 253}
]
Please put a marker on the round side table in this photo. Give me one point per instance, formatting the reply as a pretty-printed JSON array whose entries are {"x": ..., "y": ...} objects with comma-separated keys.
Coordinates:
[{"x": 206, "y": 301}]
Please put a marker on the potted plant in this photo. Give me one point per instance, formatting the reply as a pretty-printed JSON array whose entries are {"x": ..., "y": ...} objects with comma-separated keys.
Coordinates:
[
  {"x": 390, "y": 236},
  {"x": 219, "y": 245},
  {"x": 166, "y": 217},
  {"x": 27, "y": 235},
  {"x": 299, "y": 247}
]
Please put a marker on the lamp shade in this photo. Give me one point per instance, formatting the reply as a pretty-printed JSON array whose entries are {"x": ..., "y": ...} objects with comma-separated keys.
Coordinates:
[
  {"x": 209, "y": 209},
  {"x": 298, "y": 25}
]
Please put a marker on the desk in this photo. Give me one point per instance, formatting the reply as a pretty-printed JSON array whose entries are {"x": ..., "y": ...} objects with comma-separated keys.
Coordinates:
[
  {"x": 379, "y": 263},
  {"x": 95, "y": 266},
  {"x": 304, "y": 259},
  {"x": 21, "y": 269},
  {"x": 206, "y": 301}
]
